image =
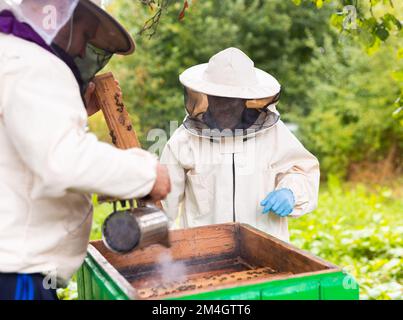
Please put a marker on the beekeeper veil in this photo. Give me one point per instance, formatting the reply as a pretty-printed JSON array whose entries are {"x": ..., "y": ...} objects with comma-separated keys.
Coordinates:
[
  {"x": 228, "y": 96},
  {"x": 80, "y": 32},
  {"x": 209, "y": 115}
]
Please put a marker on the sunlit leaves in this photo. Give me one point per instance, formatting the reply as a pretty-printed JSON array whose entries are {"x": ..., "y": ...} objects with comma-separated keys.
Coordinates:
[
  {"x": 380, "y": 26},
  {"x": 397, "y": 75},
  {"x": 369, "y": 28},
  {"x": 319, "y": 4}
]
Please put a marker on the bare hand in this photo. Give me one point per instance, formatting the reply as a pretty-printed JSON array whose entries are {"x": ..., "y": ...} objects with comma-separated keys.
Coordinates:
[
  {"x": 162, "y": 185},
  {"x": 91, "y": 101}
]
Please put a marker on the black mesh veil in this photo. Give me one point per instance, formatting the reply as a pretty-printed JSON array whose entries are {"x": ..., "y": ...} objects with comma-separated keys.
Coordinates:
[
  {"x": 95, "y": 60},
  {"x": 209, "y": 115},
  {"x": 88, "y": 41}
]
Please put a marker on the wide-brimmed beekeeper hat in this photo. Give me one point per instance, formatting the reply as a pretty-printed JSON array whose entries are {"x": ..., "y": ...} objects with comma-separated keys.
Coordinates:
[
  {"x": 228, "y": 96},
  {"x": 111, "y": 35},
  {"x": 230, "y": 73}
]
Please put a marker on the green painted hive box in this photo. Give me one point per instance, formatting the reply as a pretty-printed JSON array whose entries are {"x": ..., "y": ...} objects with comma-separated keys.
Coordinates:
[{"x": 225, "y": 261}]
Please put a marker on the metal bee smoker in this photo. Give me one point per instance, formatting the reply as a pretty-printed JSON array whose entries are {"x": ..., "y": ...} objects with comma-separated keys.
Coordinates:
[{"x": 126, "y": 230}]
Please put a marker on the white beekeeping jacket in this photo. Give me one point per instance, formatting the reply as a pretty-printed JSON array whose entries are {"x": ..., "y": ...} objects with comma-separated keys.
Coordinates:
[
  {"x": 49, "y": 164},
  {"x": 224, "y": 180}
]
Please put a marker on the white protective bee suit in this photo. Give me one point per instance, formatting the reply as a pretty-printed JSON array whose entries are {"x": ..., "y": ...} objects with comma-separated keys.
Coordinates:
[
  {"x": 49, "y": 163},
  {"x": 219, "y": 178}
]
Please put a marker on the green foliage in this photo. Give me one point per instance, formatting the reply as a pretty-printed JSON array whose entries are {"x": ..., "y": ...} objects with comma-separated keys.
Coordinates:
[
  {"x": 371, "y": 22},
  {"x": 351, "y": 100},
  {"x": 359, "y": 229},
  {"x": 273, "y": 33},
  {"x": 70, "y": 292},
  {"x": 380, "y": 18}
]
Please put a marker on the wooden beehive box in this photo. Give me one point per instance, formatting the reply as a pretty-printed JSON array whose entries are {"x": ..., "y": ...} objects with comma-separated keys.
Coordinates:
[{"x": 217, "y": 258}]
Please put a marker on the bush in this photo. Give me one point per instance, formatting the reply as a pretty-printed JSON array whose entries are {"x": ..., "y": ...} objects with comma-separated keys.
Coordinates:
[
  {"x": 351, "y": 100},
  {"x": 359, "y": 229}
]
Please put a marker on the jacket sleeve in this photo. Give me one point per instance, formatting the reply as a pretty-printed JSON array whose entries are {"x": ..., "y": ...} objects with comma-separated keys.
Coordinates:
[
  {"x": 45, "y": 119},
  {"x": 296, "y": 169},
  {"x": 173, "y": 201}
]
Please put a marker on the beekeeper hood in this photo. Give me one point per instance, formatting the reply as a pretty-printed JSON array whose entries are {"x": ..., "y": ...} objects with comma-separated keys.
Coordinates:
[
  {"x": 80, "y": 32},
  {"x": 229, "y": 96}
]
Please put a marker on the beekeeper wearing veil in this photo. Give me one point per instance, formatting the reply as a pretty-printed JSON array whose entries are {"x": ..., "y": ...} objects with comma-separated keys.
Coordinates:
[
  {"x": 233, "y": 159},
  {"x": 49, "y": 164}
]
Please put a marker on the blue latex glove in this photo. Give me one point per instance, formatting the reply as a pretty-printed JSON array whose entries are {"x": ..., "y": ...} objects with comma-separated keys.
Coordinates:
[{"x": 281, "y": 202}]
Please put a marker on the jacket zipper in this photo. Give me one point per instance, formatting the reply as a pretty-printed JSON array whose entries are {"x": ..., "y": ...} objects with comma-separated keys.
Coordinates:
[{"x": 233, "y": 187}]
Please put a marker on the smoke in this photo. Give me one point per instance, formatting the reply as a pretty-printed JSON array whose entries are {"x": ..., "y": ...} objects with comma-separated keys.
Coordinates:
[{"x": 169, "y": 270}]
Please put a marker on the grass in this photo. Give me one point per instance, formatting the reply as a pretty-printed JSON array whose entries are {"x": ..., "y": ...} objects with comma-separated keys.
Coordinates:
[{"x": 357, "y": 227}]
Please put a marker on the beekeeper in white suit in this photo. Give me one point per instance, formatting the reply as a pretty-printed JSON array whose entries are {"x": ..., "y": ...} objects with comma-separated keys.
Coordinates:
[
  {"x": 49, "y": 163},
  {"x": 233, "y": 159}
]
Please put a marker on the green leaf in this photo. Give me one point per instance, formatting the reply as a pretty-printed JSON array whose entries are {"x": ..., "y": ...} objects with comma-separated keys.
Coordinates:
[
  {"x": 374, "y": 47},
  {"x": 388, "y": 19},
  {"x": 397, "y": 75},
  {"x": 381, "y": 32},
  {"x": 336, "y": 20}
]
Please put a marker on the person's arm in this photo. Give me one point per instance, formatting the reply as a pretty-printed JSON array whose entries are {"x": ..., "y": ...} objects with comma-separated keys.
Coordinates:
[
  {"x": 177, "y": 175},
  {"x": 45, "y": 120},
  {"x": 297, "y": 170}
]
